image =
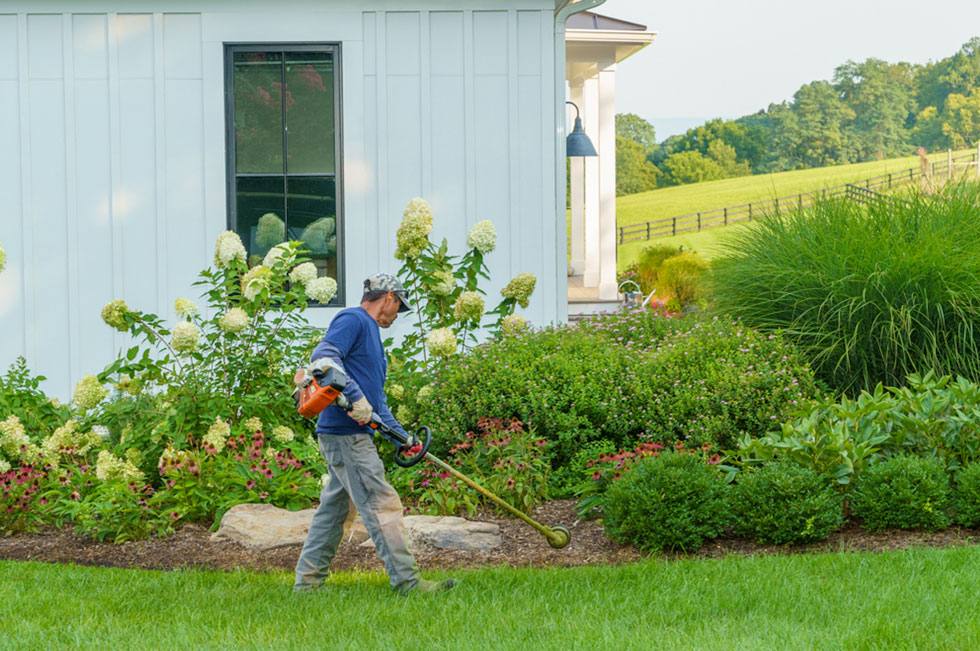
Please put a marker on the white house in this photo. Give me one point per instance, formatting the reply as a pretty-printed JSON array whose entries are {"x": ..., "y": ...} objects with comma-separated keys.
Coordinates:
[{"x": 132, "y": 132}]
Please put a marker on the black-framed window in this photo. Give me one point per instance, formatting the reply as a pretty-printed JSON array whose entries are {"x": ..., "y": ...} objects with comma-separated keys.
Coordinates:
[{"x": 283, "y": 131}]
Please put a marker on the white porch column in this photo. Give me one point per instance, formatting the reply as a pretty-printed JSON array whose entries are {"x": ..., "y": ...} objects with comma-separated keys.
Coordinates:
[
  {"x": 607, "y": 183},
  {"x": 590, "y": 122},
  {"x": 577, "y": 181}
]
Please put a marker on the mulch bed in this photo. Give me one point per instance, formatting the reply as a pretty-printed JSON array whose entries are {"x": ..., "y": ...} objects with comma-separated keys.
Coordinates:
[{"x": 522, "y": 547}]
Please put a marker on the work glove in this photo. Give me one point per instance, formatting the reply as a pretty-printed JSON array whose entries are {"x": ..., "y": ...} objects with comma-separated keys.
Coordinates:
[{"x": 361, "y": 411}]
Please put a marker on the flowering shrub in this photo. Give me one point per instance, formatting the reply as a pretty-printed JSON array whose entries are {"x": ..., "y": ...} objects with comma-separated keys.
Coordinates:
[
  {"x": 236, "y": 358},
  {"x": 667, "y": 502},
  {"x": 501, "y": 456},
  {"x": 449, "y": 305},
  {"x": 181, "y": 435}
]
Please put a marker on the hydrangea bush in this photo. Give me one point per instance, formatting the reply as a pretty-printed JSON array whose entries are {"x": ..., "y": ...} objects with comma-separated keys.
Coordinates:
[
  {"x": 450, "y": 307},
  {"x": 195, "y": 417}
]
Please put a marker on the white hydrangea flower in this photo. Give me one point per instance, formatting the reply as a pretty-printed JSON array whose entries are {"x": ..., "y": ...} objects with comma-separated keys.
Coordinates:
[
  {"x": 101, "y": 431},
  {"x": 444, "y": 283},
  {"x": 4, "y": 466},
  {"x": 469, "y": 307},
  {"x": 184, "y": 337},
  {"x": 278, "y": 252},
  {"x": 303, "y": 273},
  {"x": 482, "y": 237},
  {"x": 253, "y": 425},
  {"x": 321, "y": 290},
  {"x": 413, "y": 233},
  {"x": 513, "y": 324},
  {"x": 217, "y": 434},
  {"x": 396, "y": 391},
  {"x": 404, "y": 414},
  {"x": 234, "y": 320},
  {"x": 185, "y": 308},
  {"x": 441, "y": 342},
  {"x": 283, "y": 434},
  {"x": 520, "y": 288},
  {"x": 228, "y": 247},
  {"x": 255, "y": 280},
  {"x": 109, "y": 466},
  {"x": 424, "y": 393},
  {"x": 89, "y": 392},
  {"x": 68, "y": 439},
  {"x": 13, "y": 437},
  {"x": 114, "y": 314}
]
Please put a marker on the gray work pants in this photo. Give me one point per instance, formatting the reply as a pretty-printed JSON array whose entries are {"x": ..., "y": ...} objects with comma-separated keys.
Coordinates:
[{"x": 356, "y": 474}]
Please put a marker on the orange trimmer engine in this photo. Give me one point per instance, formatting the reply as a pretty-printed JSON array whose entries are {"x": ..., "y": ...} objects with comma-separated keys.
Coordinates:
[{"x": 318, "y": 390}]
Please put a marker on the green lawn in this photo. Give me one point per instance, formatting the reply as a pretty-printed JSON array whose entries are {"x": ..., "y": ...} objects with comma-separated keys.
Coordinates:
[
  {"x": 921, "y": 598},
  {"x": 682, "y": 199}
]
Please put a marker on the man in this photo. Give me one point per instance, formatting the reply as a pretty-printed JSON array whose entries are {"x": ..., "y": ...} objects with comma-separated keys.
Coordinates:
[{"x": 353, "y": 341}]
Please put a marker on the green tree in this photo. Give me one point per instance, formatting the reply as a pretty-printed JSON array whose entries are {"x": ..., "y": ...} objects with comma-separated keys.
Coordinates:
[
  {"x": 634, "y": 173},
  {"x": 724, "y": 154},
  {"x": 821, "y": 120},
  {"x": 692, "y": 167},
  {"x": 883, "y": 100},
  {"x": 959, "y": 74},
  {"x": 635, "y": 128},
  {"x": 961, "y": 119}
]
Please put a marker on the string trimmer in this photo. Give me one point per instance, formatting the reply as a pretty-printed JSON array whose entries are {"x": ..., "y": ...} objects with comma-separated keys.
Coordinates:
[{"x": 322, "y": 386}]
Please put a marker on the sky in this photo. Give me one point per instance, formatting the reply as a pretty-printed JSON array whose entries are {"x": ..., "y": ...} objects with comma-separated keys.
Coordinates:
[{"x": 716, "y": 58}]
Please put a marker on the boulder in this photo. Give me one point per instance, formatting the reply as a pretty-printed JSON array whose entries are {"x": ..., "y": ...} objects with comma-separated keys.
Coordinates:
[
  {"x": 263, "y": 526},
  {"x": 445, "y": 532}
]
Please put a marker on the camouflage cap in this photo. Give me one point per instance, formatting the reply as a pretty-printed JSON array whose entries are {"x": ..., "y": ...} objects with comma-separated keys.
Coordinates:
[{"x": 387, "y": 283}]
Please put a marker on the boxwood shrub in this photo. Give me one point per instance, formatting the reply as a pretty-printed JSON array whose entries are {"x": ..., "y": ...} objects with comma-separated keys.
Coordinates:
[
  {"x": 669, "y": 502},
  {"x": 693, "y": 379},
  {"x": 904, "y": 492},
  {"x": 785, "y": 503},
  {"x": 966, "y": 496}
]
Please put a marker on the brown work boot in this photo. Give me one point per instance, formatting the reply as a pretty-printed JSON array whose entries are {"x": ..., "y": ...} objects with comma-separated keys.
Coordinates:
[{"x": 426, "y": 586}]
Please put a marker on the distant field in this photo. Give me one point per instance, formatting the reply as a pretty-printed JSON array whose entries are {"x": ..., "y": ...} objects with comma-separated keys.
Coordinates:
[{"x": 668, "y": 202}]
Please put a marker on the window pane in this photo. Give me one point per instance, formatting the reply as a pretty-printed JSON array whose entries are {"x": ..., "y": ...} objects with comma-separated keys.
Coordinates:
[
  {"x": 260, "y": 210},
  {"x": 313, "y": 219},
  {"x": 258, "y": 112},
  {"x": 309, "y": 112}
]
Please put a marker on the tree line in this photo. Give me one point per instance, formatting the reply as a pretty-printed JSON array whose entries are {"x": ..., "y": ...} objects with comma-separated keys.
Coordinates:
[{"x": 870, "y": 110}]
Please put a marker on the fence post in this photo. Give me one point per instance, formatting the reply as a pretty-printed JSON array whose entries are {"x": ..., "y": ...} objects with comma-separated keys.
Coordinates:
[
  {"x": 648, "y": 230},
  {"x": 621, "y": 234},
  {"x": 801, "y": 201},
  {"x": 673, "y": 225},
  {"x": 699, "y": 222},
  {"x": 889, "y": 180},
  {"x": 750, "y": 211},
  {"x": 726, "y": 207},
  {"x": 777, "y": 204}
]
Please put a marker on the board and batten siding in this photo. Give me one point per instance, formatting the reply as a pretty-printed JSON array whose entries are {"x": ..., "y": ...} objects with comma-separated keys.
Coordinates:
[{"x": 112, "y": 151}]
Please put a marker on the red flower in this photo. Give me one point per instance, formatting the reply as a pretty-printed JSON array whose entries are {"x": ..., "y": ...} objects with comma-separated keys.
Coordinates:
[{"x": 714, "y": 458}]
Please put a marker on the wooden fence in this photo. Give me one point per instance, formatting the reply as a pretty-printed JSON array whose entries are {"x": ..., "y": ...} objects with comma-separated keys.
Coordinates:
[{"x": 930, "y": 175}]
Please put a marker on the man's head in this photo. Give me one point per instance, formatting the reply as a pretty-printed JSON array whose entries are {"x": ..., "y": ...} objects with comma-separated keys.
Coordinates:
[{"x": 384, "y": 297}]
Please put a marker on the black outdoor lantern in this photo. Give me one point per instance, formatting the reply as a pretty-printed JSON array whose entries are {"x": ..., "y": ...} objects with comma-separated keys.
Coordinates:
[{"x": 577, "y": 143}]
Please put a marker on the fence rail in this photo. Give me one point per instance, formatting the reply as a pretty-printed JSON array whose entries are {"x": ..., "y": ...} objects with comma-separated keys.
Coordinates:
[{"x": 695, "y": 222}]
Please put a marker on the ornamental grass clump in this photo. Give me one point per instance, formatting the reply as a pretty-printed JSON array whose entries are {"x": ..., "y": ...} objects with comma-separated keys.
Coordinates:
[
  {"x": 871, "y": 293},
  {"x": 904, "y": 492},
  {"x": 670, "y": 502},
  {"x": 783, "y": 503}
]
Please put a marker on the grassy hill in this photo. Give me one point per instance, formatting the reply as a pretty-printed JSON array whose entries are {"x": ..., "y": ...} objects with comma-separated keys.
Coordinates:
[{"x": 678, "y": 200}]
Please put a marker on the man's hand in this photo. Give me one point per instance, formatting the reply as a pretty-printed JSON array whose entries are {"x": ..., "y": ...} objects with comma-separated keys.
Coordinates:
[{"x": 361, "y": 411}]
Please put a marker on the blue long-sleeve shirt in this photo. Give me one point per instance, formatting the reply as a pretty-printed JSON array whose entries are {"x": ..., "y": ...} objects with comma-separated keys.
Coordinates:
[{"x": 353, "y": 340}]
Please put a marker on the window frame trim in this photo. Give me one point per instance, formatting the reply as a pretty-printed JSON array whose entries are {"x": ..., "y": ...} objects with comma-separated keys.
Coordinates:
[{"x": 334, "y": 48}]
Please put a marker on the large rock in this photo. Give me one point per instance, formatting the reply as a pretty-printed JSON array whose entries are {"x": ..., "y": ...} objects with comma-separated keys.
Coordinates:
[
  {"x": 443, "y": 532},
  {"x": 263, "y": 526}
]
